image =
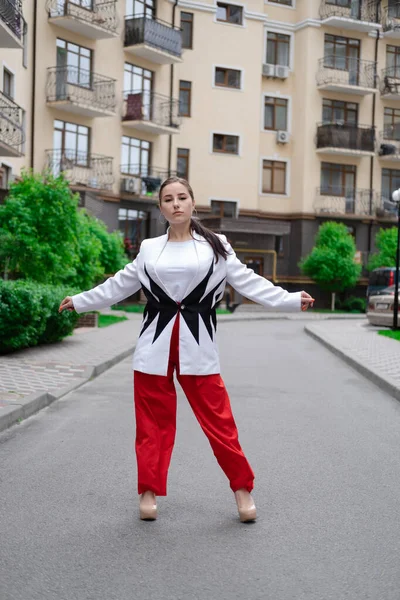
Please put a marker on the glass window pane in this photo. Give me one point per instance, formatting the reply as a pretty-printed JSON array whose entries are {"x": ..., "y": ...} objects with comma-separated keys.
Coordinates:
[
  {"x": 269, "y": 116},
  {"x": 221, "y": 13},
  {"x": 283, "y": 54},
  {"x": 234, "y": 78},
  {"x": 267, "y": 180},
  {"x": 220, "y": 76},
  {"x": 70, "y": 140},
  {"x": 218, "y": 142},
  {"x": 281, "y": 118},
  {"x": 279, "y": 181},
  {"x": 235, "y": 14},
  {"x": 270, "y": 51},
  {"x": 231, "y": 144}
]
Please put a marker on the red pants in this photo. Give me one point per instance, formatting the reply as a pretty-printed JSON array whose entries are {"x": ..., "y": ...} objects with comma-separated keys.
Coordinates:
[{"x": 155, "y": 409}]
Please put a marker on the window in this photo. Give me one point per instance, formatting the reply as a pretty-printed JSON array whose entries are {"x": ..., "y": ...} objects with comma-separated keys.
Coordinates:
[
  {"x": 185, "y": 98},
  {"x": 256, "y": 263},
  {"x": 278, "y": 49},
  {"x": 393, "y": 61},
  {"x": 88, "y": 4},
  {"x": 390, "y": 182},
  {"x": 336, "y": 111},
  {"x": 25, "y": 48},
  {"x": 230, "y": 78},
  {"x": 338, "y": 180},
  {"x": 74, "y": 64},
  {"x": 138, "y": 8},
  {"x": 229, "y": 13},
  {"x": 8, "y": 83},
  {"x": 137, "y": 79},
  {"x": 284, "y": 2},
  {"x": 71, "y": 142},
  {"x": 226, "y": 143},
  {"x": 341, "y": 53},
  {"x": 135, "y": 156},
  {"x": 182, "y": 166},
  {"x": 275, "y": 114},
  {"x": 279, "y": 245},
  {"x": 187, "y": 29},
  {"x": 133, "y": 224},
  {"x": 223, "y": 208},
  {"x": 391, "y": 124},
  {"x": 274, "y": 177}
]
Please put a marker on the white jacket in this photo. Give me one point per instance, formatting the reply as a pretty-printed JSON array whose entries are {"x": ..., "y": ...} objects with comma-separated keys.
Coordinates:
[{"x": 198, "y": 351}]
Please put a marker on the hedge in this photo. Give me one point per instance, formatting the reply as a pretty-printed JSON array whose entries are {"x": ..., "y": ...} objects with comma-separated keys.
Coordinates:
[{"x": 29, "y": 315}]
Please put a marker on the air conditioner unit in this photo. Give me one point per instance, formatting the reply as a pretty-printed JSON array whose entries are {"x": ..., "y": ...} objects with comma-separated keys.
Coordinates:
[
  {"x": 281, "y": 71},
  {"x": 268, "y": 70},
  {"x": 282, "y": 137},
  {"x": 131, "y": 185}
]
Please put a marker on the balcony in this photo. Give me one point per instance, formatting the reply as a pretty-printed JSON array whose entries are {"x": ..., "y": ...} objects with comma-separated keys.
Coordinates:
[
  {"x": 153, "y": 40},
  {"x": 80, "y": 92},
  {"x": 346, "y": 75},
  {"x": 345, "y": 139},
  {"x": 142, "y": 180},
  {"x": 336, "y": 200},
  {"x": 12, "y": 24},
  {"x": 391, "y": 21},
  {"x": 93, "y": 171},
  {"x": 246, "y": 225},
  {"x": 390, "y": 83},
  {"x": 386, "y": 208},
  {"x": 94, "y": 19},
  {"x": 150, "y": 112},
  {"x": 11, "y": 130},
  {"x": 357, "y": 15},
  {"x": 389, "y": 143}
]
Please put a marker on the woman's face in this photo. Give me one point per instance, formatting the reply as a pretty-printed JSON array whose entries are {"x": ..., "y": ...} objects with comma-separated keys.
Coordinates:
[{"x": 176, "y": 204}]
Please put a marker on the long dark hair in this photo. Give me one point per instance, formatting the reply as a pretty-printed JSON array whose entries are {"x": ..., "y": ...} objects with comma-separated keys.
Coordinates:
[{"x": 195, "y": 224}]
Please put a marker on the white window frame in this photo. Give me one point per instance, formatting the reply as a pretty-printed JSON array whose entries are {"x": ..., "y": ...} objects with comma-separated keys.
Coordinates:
[
  {"x": 228, "y": 89},
  {"x": 235, "y": 200},
  {"x": 6, "y": 67},
  {"x": 283, "y": 32},
  {"x": 226, "y": 154},
  {"x": 287, "y": 178},
  {"x": 269, "y": 3},
  {"x": 244, "y": 24},
  {"x": 289, "y": 111}
]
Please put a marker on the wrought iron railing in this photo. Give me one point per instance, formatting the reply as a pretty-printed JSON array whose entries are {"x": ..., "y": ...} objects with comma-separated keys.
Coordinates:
[
  {"x": 148, "y": 106},
  {"x": 342, "y": 135},
  {"x": 81, "y": 87},
  {"x": 386, "y": 207},
  {"x": 360, "y": 10},
  {"x": 82, "y": 168},
  {"x": 154, "y": 32},
  {"x": 342, "y": 70},
  {"x": 11, "y": 15},
  {"x": 143, "y": 179},
  {"x": 390, "y": 80},
  {"x": 389, "y": 142},
  {"x": 11, "y": 128},
  {"x": 102, "y": 13},
  {"x": 339, "y": 200},
  {"x": 391, "y": 17}
]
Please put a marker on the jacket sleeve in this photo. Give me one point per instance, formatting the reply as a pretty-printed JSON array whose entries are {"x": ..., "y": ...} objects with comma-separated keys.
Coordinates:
[
  {"x": 121, "y": 285},
  {"x": 257, "y": 288}
]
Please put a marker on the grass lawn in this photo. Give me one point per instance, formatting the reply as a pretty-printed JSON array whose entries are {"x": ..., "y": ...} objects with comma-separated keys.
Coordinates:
[
  {"x": 392, "y": 334},
  {"x": 106, "y": 320},
  {"x": 139, "y": 308}
]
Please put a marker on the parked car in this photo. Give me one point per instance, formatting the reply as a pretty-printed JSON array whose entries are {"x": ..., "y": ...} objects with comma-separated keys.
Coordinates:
[
  {"x": 380, "y": 308},
  {"x": 379, "y": 279}
]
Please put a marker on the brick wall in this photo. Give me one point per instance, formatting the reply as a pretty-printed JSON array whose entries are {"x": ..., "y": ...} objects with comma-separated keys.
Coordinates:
[{"x": 88, "y": 320}]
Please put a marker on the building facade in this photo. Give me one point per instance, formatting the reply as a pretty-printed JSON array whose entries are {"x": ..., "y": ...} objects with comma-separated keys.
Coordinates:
[{"x": 282, "y": 114}]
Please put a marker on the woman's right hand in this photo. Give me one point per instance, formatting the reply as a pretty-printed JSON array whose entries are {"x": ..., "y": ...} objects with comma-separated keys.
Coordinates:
[{"x": 66, "y": 304}]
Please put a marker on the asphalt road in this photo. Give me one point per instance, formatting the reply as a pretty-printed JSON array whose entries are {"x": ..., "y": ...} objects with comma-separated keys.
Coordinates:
[{"x": 324, "y": 444}]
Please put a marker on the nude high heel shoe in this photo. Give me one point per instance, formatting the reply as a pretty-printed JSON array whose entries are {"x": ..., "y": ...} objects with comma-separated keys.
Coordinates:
[
  {"x": 246, "y": 507},
  {"x": 148, "y": 506}
]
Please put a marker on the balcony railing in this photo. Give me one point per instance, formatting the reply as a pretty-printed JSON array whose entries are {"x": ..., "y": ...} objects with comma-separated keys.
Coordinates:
[
  {"x": 339, "y": 71},
  {"x": 99, "y": 13},
  {"x": 359, "y": 138},
  {"x": 389, "y": 142},
  {"x": 82, "y": 88},
  {"x": 386, "y": 207},
  {"x": 11, "y": 15},
  {"x": 142, "y": 179},
  {"x": 11, "y": 130},
  {"x": 151, "y": 108},
  {"x": 390, "y": 81},
  {"x": 342, "y": 201},
  {"x": 81, "y": 168},
  {"x": 391, "y": 18},
  {"x": 153, "y": 32},
  {"x": 359, "y": 10}
]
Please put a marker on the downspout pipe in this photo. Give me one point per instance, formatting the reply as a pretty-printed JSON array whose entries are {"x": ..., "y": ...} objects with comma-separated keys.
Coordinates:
[
  {"x": 372, "y": 159},
  {"x": 171, "y": 91},
  {"x": 33, "y": 99}
]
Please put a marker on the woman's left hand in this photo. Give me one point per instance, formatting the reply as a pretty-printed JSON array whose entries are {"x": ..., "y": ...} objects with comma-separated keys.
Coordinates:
[{"x": 307, "y": 301}]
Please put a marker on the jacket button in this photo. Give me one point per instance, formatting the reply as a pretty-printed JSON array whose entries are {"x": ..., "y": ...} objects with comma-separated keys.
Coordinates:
[{"x": 182, "y": 307}]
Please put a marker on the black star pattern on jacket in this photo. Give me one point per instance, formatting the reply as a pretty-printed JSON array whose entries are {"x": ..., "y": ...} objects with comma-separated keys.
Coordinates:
[{"x": 191, "y": 307}]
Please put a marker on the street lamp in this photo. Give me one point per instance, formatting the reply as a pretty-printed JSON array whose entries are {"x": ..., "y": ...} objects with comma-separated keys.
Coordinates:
[{"x": 396, "y": 199}]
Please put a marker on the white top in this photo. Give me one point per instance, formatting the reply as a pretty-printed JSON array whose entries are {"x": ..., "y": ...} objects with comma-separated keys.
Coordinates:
[{"x": 177, "y": 266}]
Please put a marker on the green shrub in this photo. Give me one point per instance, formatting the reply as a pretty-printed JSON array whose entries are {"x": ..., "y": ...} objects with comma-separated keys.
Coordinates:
[
  {"x": 29, "y": 315},
  {"x": 354, "y": 304}
]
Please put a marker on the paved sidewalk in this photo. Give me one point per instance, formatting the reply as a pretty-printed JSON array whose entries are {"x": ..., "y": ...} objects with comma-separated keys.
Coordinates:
[{"x": 33, "y": 378}]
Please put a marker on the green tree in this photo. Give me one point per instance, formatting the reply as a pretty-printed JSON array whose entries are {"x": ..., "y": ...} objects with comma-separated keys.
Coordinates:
[
  {"x": 385, "y": 241},
  {"x": 331, "y": 262}
]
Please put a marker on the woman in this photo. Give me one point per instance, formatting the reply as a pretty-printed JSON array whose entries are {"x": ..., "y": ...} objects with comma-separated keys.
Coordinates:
[{"x": 183, "y": 275}]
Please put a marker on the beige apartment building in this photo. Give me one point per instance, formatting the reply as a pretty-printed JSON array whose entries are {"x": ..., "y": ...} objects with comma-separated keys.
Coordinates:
[{"x": 282, "y": 113}]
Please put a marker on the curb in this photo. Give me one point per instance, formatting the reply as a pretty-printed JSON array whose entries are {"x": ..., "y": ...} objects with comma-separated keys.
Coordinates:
[
  {"x": 29, "y": 405},
  {"x": 382, "y": 381}
]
